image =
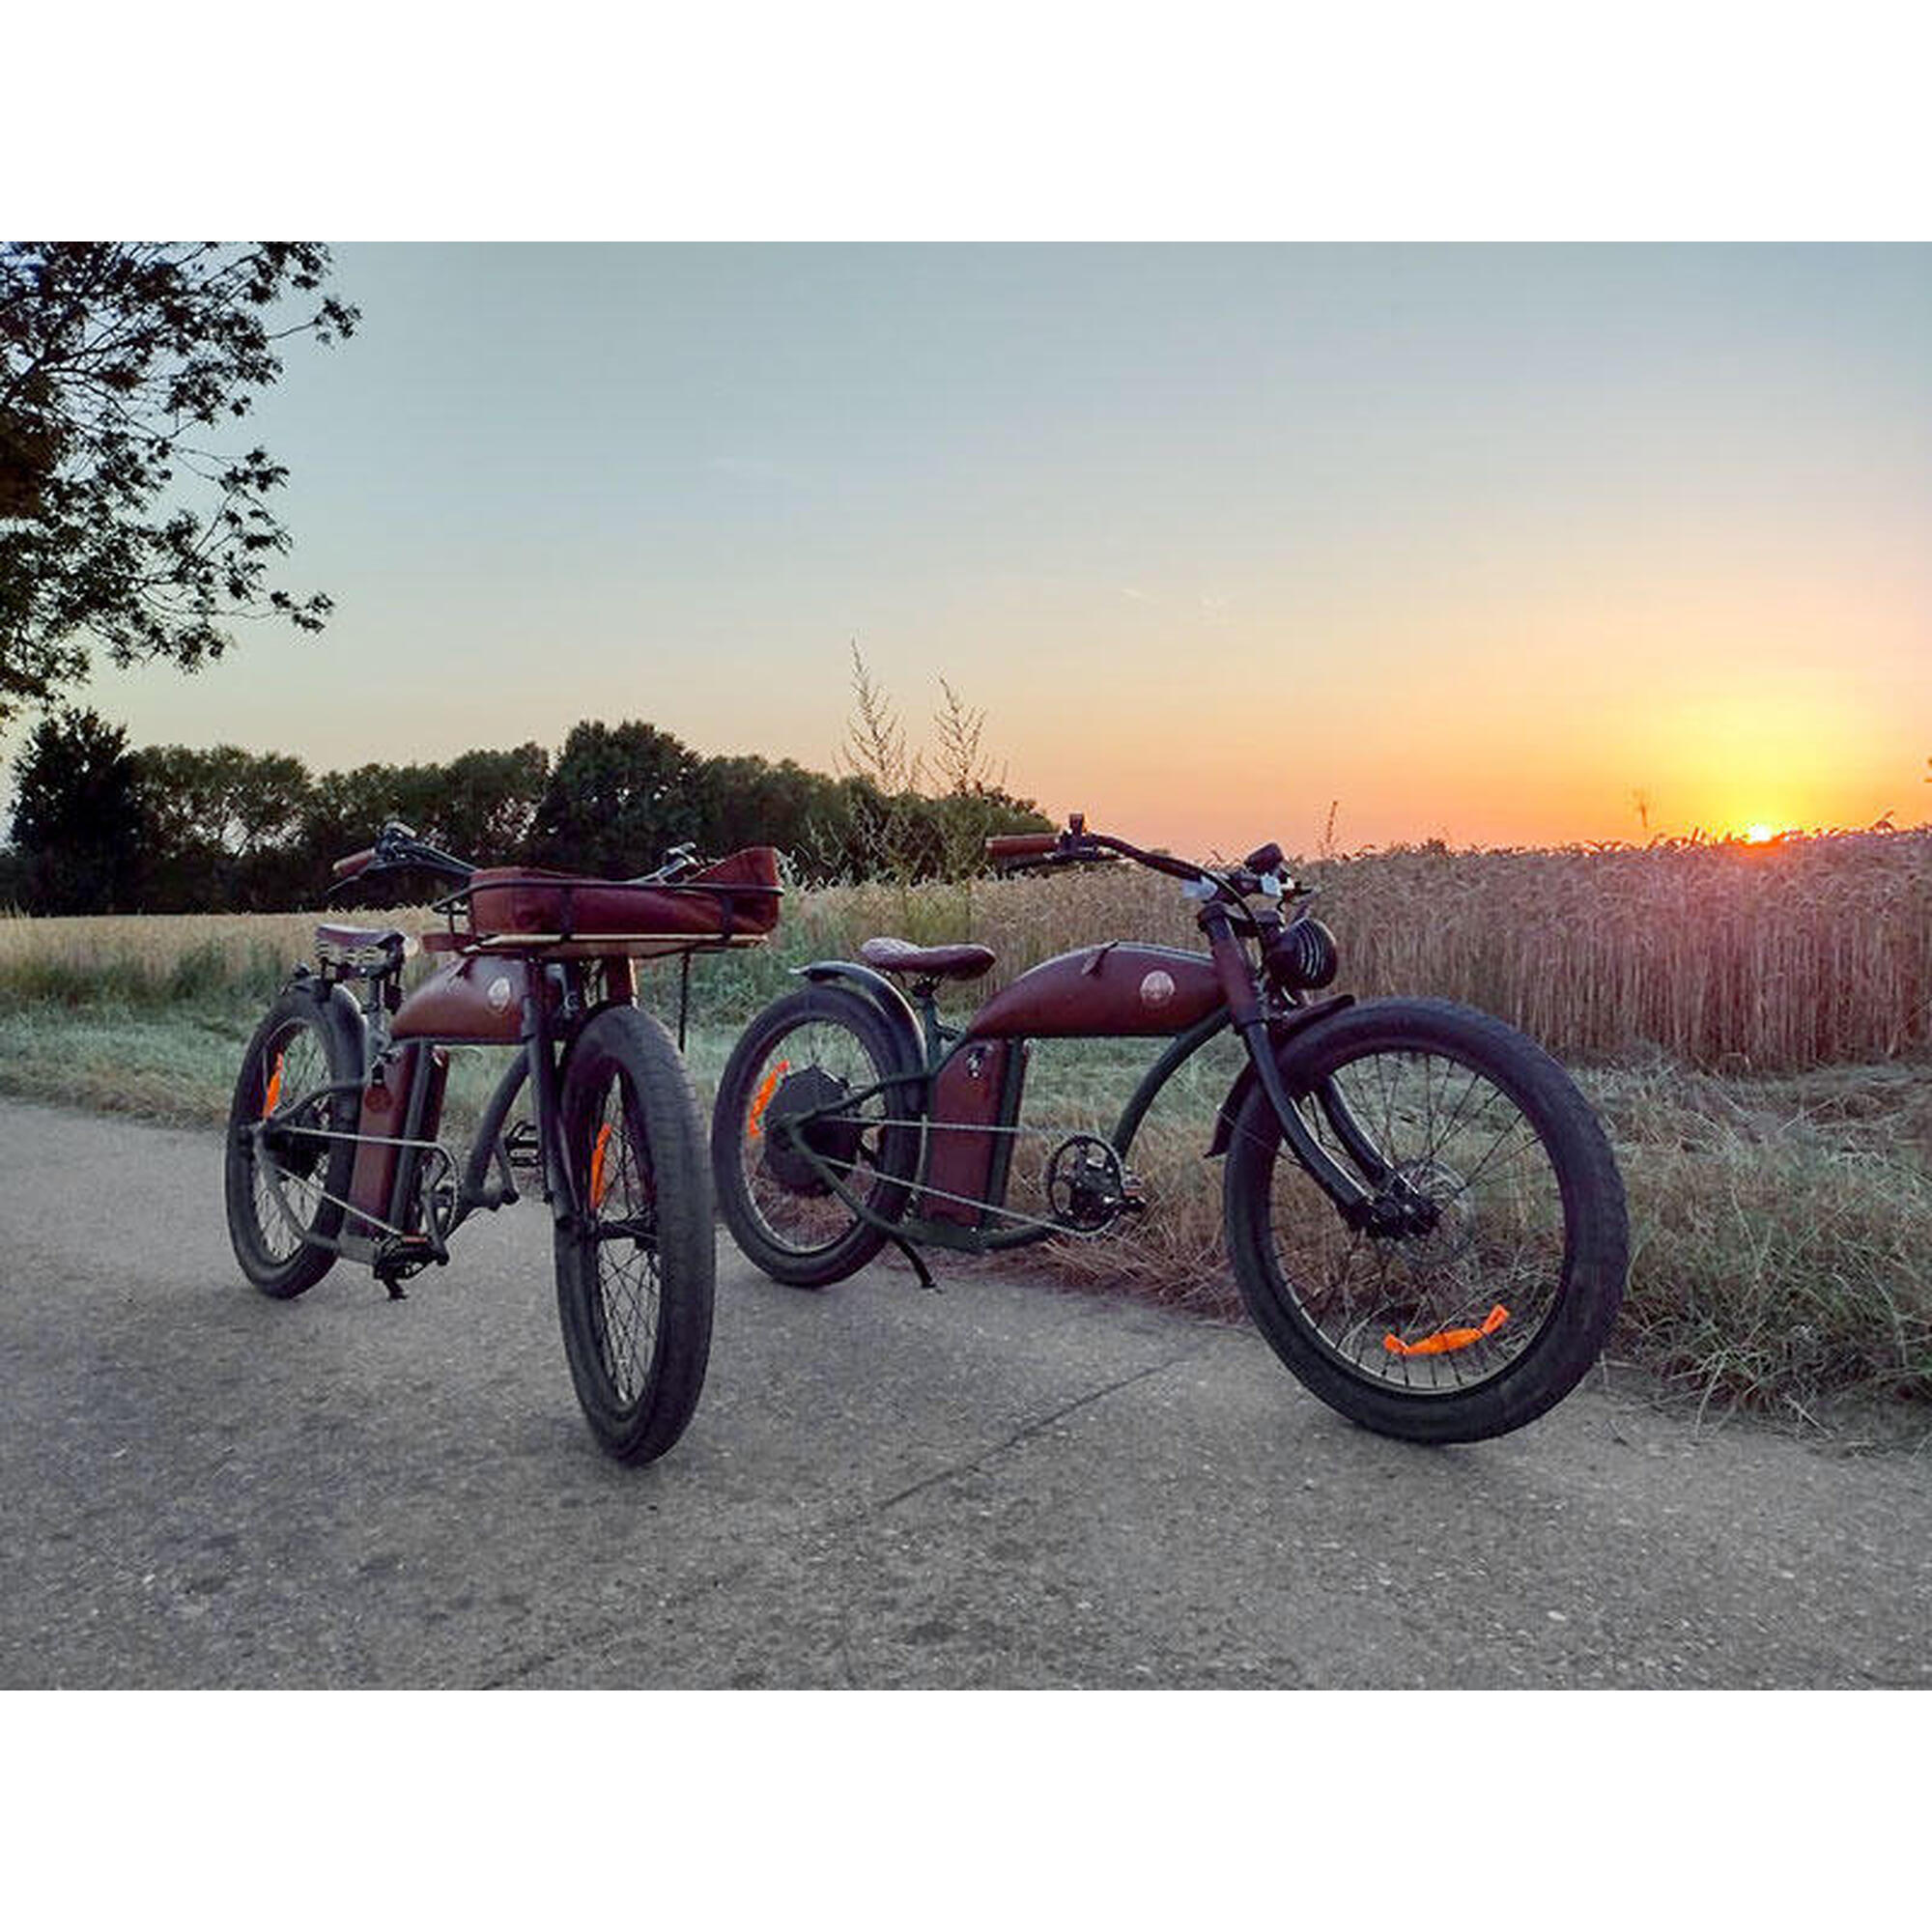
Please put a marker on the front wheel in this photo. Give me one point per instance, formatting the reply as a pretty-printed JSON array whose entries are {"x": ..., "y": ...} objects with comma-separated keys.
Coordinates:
[
  {"x": 1491, "y": 1265},
  {"x": 634, "y": 1263}
]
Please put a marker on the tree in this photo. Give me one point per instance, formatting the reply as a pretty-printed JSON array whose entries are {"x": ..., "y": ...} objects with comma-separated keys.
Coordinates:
[
  {"x": 76, "y": 816},
  {"x": 489, "y": 803},
  {"x": 617, "y": 800},
  {"x": 119, "y": 519},
  {"x": 218, "y": 827}
]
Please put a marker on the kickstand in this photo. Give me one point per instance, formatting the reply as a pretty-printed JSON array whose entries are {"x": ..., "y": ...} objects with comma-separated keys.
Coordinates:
[{"x": 918, "y": 1261}]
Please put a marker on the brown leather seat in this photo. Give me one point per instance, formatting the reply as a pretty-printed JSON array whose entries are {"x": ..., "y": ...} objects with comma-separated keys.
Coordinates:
[{"x": 928, "y": 962}]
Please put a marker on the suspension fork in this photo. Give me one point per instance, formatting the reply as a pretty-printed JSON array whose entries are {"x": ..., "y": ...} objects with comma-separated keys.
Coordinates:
[{"x": 1244, "y": 1010}]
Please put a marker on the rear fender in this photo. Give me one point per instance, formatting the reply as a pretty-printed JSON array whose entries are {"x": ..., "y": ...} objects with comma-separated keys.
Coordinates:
[
  {"x": 1301, "y": 1021},
  {"x": 893, "y": 1006},
  {"x": 341, "y": 1014}
]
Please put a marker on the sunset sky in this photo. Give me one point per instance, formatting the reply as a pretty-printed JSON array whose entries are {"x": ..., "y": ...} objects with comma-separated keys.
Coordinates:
[{"x": 1480, "y": 542}]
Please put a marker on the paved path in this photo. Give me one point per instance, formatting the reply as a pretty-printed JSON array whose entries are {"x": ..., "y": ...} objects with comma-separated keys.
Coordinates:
[{"x": 999, "y": 1486}]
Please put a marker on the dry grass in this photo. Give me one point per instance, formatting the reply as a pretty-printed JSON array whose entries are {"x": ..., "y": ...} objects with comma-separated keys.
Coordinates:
[
  {"x": 1802, "y": 952},
  {"x": 1805, "y": 952}
]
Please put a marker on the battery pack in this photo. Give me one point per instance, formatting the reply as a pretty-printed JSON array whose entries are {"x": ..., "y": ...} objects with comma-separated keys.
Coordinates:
[
  {"x": 385, "y": 1122},
  {"x": 977, "y": 1093}
]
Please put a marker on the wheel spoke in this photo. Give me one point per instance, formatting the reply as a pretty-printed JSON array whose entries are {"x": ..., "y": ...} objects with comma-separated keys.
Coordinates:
[
  {"x": 621, "y": 1241},
  {"x": 288, "y": 1199}
]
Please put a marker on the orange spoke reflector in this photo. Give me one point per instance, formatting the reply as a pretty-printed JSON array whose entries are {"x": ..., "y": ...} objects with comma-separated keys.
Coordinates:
[
  {"x": 763, "y": 1099},
  {"x": 1444, "y": 1340},
  {"x": 597, "y": 1165},
  {"x": 274, "y": 1092}
]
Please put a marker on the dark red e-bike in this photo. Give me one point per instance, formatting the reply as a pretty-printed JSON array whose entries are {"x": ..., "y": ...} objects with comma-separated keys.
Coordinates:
[{"x": 1422, "y": 1213}]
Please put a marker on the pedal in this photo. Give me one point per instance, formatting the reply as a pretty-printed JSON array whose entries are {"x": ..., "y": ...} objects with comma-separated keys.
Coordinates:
[
  {"x": 400, "y": 1257},
  {"x": 521, "y": 1149}
]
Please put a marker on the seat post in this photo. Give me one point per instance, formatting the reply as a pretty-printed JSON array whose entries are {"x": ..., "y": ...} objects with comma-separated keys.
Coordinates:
[{"x": 925, "y": 992}]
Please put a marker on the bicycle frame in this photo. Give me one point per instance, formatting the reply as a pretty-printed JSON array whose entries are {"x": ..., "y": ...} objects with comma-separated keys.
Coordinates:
[
  {"x": 1429, "y": 1308},
  {"x": 1265, "y": 1027},
  {"x": 565, "y": 953},
  {"x": 397, "y": 1238}
]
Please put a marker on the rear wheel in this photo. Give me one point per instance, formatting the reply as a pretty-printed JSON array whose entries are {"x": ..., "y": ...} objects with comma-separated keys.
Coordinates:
[
  {"x": 634, "y": 1270},
  {"x": 1486, "y": 1284},
  {"x": 794, "y": 1103},
  {"x": 289, "y": 1142}
]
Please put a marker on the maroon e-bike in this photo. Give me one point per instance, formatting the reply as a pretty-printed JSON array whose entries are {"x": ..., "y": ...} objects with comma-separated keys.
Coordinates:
[
  {"x": 1421, "y": 1210},
  {"x": 334, "y": 1148}
]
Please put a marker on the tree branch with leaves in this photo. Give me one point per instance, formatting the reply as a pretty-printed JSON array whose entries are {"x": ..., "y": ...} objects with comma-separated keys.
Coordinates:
[{"x": 123, "y": 522}]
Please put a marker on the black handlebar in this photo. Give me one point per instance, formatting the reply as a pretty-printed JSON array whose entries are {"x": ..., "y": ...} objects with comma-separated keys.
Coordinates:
[
  {"x": 1077, "y": 846},
  {"x": 397, "y": 849}
]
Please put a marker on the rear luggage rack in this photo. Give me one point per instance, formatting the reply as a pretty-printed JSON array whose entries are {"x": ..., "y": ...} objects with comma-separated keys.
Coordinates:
[{"x": 564, "y": 916}]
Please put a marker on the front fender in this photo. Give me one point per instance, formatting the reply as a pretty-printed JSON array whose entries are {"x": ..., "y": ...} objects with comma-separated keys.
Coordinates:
[{"x": 1301, "y": 1020}]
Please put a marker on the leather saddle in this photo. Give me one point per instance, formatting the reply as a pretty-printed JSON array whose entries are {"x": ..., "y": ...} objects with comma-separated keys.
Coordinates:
[{"x": 927, "y": 962}]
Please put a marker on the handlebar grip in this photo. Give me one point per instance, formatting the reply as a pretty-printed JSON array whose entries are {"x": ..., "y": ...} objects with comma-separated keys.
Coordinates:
[
  {"x": 1022, "y": 846},
  {"x": 347, "y": 868}
]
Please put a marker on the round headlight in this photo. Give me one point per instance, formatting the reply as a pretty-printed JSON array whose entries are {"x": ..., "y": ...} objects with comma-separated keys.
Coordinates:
[{"x": 1303, "y": 955}]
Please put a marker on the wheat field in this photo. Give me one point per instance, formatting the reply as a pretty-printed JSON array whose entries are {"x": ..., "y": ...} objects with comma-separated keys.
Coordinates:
[{"x": 1802, "y": 952}]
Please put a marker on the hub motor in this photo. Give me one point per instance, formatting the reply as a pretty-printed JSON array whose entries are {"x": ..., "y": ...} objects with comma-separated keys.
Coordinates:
[{"x": 833, "y": 1140}]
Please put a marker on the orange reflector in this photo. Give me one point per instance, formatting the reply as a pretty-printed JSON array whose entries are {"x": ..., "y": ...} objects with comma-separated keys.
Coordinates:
[
  {"x": 597, "y": 1165},
  {"x": 274, "y": 1092},
  {"x": 763, "y": 1099},
  {"x": 1444, "y": 1340}
]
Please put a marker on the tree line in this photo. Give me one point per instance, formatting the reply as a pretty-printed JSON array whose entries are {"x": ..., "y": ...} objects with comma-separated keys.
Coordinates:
[{"x": 99, "y": 826}]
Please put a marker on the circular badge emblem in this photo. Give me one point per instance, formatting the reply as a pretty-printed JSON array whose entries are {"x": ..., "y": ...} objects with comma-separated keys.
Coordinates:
[
  {"x": 1158, "y": 988},
  {"x": 500, "y": 994}
]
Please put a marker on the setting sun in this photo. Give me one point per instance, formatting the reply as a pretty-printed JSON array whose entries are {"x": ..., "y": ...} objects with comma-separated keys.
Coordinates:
[{"x": 1759, "y": 835}]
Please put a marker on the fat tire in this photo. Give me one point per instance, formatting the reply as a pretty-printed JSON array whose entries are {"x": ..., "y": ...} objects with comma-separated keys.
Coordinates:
[
  {"x": 900, "y": 1147},
  {"x": 663, "y": 1108},
  {"x": 1597, "y": 1239},
  {"x": 304, "y": 1005}
]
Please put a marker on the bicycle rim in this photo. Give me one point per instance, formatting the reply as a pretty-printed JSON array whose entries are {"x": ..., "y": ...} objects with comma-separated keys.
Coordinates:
[
  {"x": 810, "y": 1074},
  {"x": 1456, "y": 1298},
  {"x": 623, "y": 1265},
  {"x": 286, "y": 1173}
]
